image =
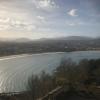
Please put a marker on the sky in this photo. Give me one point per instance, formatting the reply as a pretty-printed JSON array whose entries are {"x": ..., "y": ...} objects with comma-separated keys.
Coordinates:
[{"x": 49, "y": 18}]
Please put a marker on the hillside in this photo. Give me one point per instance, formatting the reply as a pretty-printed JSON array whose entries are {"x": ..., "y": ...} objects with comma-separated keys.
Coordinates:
[{"x": 64, "y": 44}]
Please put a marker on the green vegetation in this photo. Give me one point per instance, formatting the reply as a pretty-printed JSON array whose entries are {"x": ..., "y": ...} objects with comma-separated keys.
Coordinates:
[
  {"x": 84, "y": 76},
  {"x": 71, "y": 81}
]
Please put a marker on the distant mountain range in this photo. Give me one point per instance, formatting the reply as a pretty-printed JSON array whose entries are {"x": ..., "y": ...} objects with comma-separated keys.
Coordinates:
[
  {"x": 63, "y": 44},
  {"x": 15, "y": 40},
  {"x": 46, "y": 39},
  {"x": 77, "y": 38}
]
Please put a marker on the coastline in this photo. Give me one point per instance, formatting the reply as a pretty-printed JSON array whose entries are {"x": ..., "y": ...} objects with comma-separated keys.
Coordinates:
[
  {"x": 24, "y": 55},
  {"x": 38, "y": 53}
]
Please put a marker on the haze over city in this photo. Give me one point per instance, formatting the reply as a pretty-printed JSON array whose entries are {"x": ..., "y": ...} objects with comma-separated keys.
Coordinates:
[{"x": 49, "y": 18}]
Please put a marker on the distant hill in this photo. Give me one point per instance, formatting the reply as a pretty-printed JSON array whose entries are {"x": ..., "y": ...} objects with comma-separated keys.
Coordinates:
[
  {"x": 23, "y": 40},
  {"x": 45, "y": 39},
  {"x": 69, "y": 38},
  {"x": 19, "y": 40},
  {"x": 63, "y": 44},
  {"x": 78, "y": 38}
]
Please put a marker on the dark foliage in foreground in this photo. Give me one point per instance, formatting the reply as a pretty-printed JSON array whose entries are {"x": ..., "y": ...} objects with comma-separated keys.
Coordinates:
[
  {"x": 84, "y": 76},
  {"x": 69, "y": 81}
]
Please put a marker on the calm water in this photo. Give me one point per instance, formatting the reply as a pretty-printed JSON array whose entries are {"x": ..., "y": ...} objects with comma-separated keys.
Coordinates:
[{"x": 14, "y": 71}]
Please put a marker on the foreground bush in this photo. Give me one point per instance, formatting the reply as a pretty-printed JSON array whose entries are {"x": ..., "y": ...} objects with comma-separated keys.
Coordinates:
[{"x": 84, "y": 76}]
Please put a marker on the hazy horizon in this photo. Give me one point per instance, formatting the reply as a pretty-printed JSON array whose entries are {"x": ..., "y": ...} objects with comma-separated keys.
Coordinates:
[
  {"x": 35, "y": 19},
  {"x": 52, "y": 37}
]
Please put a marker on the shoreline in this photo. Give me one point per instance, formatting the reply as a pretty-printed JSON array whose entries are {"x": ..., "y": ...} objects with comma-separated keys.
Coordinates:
[
  {"x": 24, "y": 55},
  {"x": 12, "y": 56}
]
